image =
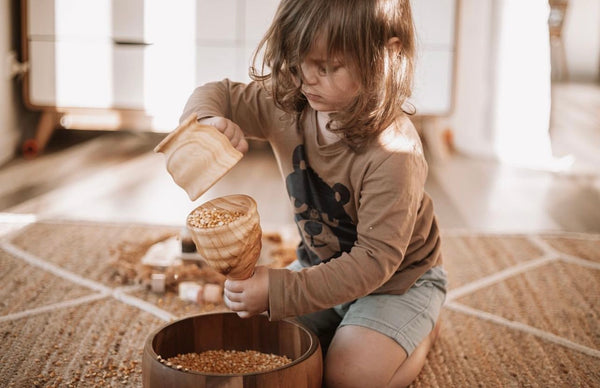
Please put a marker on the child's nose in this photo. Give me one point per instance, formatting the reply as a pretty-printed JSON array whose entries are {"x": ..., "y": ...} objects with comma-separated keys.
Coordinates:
[{"x": 309, "y": 75}]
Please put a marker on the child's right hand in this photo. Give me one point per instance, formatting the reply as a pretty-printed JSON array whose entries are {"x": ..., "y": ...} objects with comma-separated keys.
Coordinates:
[{"x": 229, "y": 129}]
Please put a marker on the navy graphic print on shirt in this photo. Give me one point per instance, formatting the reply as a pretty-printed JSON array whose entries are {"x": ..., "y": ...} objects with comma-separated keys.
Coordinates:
[{"x": 326, "y": 229}]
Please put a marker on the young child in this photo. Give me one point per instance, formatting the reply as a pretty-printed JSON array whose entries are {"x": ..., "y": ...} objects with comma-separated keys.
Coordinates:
[{"x": 329, "y": 98}]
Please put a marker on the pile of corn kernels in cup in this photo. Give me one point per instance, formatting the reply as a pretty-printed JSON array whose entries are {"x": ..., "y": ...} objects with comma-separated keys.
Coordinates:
[
  {"x": 212, "y": 218},
  {"x": 226, "y": 361}
]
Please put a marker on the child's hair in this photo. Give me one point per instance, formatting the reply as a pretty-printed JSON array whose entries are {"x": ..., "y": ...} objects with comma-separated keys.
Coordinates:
[{"x": 357, "y": 32}]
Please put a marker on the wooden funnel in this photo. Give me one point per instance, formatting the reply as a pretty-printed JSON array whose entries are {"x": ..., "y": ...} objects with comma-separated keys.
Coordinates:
[
  {"x": 197, "y": 156},
  {"x": 227, "y": 234}
]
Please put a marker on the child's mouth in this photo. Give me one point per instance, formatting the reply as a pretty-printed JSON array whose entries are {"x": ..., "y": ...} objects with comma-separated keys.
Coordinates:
[{"x": 311, "y": 97}]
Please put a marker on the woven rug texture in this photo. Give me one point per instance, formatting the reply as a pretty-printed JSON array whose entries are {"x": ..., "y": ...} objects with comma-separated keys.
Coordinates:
[{"x": 522, "y": 310}]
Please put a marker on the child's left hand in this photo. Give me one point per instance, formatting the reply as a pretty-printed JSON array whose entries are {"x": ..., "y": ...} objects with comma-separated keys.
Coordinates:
[{"x": 248, "y": 297}]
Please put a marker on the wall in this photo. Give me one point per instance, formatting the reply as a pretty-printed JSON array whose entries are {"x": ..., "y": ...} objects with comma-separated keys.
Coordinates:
[
  {"x": 9, "y": 104},
  {"x": 581, "y": 36},
  {"x": 469, "y": 120},
  {"x": 502, "y": 95}
]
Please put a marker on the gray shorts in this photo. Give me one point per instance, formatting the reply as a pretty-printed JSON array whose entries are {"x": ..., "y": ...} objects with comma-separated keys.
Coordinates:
[{"x": 406, "y": 318}]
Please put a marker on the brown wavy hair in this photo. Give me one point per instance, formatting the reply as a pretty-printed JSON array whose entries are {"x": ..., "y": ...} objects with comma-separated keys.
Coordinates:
[{"x": 358, "y": 32}]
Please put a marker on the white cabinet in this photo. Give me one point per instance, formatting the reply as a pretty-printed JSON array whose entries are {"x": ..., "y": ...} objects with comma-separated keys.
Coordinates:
[
  {"x": 103, "y": 54},
  {"x": 145, "y": 57},
  {"x": 434, "y": 75}
]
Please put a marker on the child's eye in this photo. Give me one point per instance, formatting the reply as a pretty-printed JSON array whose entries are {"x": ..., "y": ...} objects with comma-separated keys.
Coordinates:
[{"x": 329, "y": 69}]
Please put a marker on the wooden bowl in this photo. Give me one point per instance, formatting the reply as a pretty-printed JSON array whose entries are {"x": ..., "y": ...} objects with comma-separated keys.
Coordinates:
[
  {"x": 227, "y": 331},
  {"x": 233, "y": 248}
]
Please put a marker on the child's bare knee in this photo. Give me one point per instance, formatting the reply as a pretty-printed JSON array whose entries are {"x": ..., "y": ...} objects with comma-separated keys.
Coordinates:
[{"x": 336, "y": 376}]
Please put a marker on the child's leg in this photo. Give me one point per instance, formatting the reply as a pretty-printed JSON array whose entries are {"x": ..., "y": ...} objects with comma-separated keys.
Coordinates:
[
  {"x": 324, "y": 324},
  {"x": 383, "y": 340},
  {"x": 361, "y": 357},
  {"x": 411, "y": 367}
]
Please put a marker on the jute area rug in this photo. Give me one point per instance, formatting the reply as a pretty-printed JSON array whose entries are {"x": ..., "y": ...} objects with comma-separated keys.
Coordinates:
[{"x": 522, "y": 311}]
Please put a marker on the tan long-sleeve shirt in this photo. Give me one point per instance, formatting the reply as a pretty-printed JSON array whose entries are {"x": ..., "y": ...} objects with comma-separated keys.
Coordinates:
[{"x": 366, "y": 223}]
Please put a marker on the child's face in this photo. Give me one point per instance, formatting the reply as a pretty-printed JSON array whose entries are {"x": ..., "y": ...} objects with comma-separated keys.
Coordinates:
[{"x": 330, "y": 85}]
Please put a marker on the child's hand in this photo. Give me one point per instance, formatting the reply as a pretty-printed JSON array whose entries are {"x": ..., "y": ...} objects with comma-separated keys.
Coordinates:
[
  {"x": 229, "y": 129},
  {"x": 248, "y": 297}
]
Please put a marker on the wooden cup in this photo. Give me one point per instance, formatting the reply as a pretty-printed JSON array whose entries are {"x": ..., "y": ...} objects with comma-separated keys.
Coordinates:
[{"x": 233, "y": 248}]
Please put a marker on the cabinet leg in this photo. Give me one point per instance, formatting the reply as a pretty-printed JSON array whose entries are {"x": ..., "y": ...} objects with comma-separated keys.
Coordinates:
[{"x": 46, "y": 125}]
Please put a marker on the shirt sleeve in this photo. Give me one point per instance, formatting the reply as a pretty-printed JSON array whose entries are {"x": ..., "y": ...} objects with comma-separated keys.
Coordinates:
[
  {"x": 390, "y": 198},
  {"x": 247, "y": 105}
]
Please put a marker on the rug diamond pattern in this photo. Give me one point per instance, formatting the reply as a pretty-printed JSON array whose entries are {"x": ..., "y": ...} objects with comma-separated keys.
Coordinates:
[
  {"x": 522, "y": 310},
  {"x": 25, "y": 288},
  {"x": 550, "y": 297}
]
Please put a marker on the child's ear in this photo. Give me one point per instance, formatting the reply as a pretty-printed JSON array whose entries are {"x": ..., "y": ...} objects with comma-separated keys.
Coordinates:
[{"x": 394, "y": 44}]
